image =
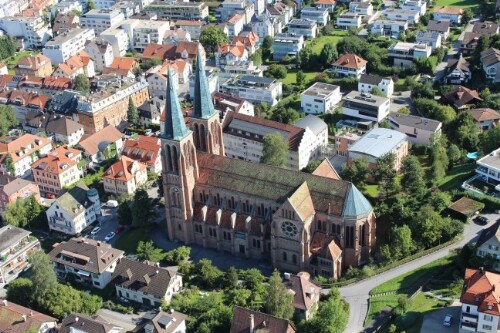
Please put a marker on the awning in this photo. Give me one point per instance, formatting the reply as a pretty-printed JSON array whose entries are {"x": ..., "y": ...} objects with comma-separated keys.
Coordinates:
[{"x": 83, "y": 273}]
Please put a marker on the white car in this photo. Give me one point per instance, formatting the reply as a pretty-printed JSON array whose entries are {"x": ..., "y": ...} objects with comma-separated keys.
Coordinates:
[
  {"x": 95, "y": 231},
  {"x": 448, "y": 319},
  {"x": 109, "y": 236}
]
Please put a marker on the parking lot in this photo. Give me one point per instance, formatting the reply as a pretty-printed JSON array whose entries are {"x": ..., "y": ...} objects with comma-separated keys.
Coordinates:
[
  {"x": 108, "y": 223},
  {"x": 433, "y": 321}
]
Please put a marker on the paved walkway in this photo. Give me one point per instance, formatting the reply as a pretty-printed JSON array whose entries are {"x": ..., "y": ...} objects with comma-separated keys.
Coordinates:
[
  {"x": 125, "y": 321},
  {"x": 357, "y": 294}
]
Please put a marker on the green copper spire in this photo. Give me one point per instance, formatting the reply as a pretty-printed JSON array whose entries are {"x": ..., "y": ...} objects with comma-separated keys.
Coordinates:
[
  {"x": 175, "y": 127},
  {"x": 203, "y": 105}
]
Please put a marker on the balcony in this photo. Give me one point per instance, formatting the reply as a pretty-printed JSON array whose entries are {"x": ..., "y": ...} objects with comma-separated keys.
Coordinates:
[
  {"x": 24, "y": 246},
  {"x": 468, "y": 327},
  {"x": 468, "y": 318}
]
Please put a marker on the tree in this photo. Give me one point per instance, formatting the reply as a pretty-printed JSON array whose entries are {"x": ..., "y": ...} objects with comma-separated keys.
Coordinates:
[
  {"x": 454, "y": 154},
  {"x": 132, "y": 114},
  {"x": 403, "y": 303},
  {"x": 300, "y": 78},
  {"x": 385, "y": 174},
  {"x": 328, "y": 55},
  {"x": 412, "y": 180},
  {"x": 90, "y": 5},
  {"x": 16, "y": 214},
  {"x": 9, "y": 165},
  {"x": 257, "y": 57},
  {"x": 275, "y": 151},
  {"x": 276, "y": 71},
  {"x": 142, "y": 209},
  {"x": 306, "y": 58},
  {"x": 312, "y": 166},
  {"x": 42, "y": 275},
  {"x": 465, "y": 132},
  {"x": 239, "y": 296},
  {"x": 439, "y": 200},
  {"x": 356, "y": 172},
  {"x": 124, "y": 213},
  {"x": 332, "y": 316},
  {"x": 279, "y": 301},
  {"x": 490, "y": 140},
  {"x": 231, "y": 278},
  {"x": 211, "y": 38},
  {"x": 402, "y": 242},
  {"x": 82, "y": 84},
  {"x": 7, "y": 121},
  {"x": 467, "y": 16},
  {"x": 147, "y": 251},
  {"x": 210, "y": 275},
  {"x": 422, "y": 90},
  {"x": 377, "y": 92},
  {"x": 20, "y": 291},
  {"x": 267, "y": 47},
  {"x": 439, "y": 162},
  {"x": 285, "y": 115},
  {"x": 178, "y": 255}
]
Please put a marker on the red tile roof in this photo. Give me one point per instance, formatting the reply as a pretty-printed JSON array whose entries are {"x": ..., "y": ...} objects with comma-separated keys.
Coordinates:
[
  {"x": 124, "y": 169},
  {"x": 448, "y": 10},
  {"x": 482, "y": 288},
  {"x": 18, "y": 147},
  {"x": 350, "y": 61},
  {"x": 461, "y": 96},
  {"x": 54, "y": 164},
  {"x": 262, "y": 322},
  {"x": 91, "y": 144},
  {"x": 484, "y": 114},
  {"x": 145, "y": 150},
  {"x": 34, "y": 62},
  {"x": 12, "y": 318}
]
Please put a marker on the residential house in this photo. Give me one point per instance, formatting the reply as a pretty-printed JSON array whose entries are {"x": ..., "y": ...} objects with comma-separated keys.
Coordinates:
[
  {"x": 388, "y": 28},
  {"x": 12, "y": 188},
  {"x": 230, "y": 53},
  {"x": 225, "y": 103},
  {"x": 418, "y": 5},
  {"x": 179, "y": 10},
  {"x": 368, "y": 82},
  {"x": 490, "y": 61},
  {"x": 305, "y": 292},
  {"x": 246, "y": 320},
  {"x": 377, "y": 143},
  {"x": 90, "y": 262},
  {"x": 193, "y": 27},
  {"x": 486, "y": 28},
  {"x": 361, "y": 8},
  {"x": 140, "y": 33},
  {"x": 78, "y": 322},
  {"x": 461, "y": 97},
  {"x": 239, "y": 68},
  {"x": 3, "y": 69},
  {"x": 181, "y": 50},
  {"x": 403, "y": 54},
  {"x": 451, "y": 14},
  {"x": 22, "y": 102},
  {"x": 457, "y": 71},
  {"x": 150, "y": 111},
  {"x": 65, "y": 22},
  {"x": 281, "y": 11},
  {"x": 157, "y": 76},
  {"x": 304, "y": 27},
  {"x": 318, "y": 14},
  {"x": 67, "y": 44},
  {"x": 441, "y": 27},
  {"x": 349, "y": 20},
  {"x": 101, "y": 19},
  {"x": 286, "y": 45},
  {"x": 145, "y": 283},
  {"x": 326, "y": 4},
  {"x": 176, "y": 36},
  {"x": 122, "y": 67},
  {"x": 248, "y": 38},
  {"x": 18, "y": 153},
  {"x": 419, "y": 130},
  {"x": 53, "y": 173},
  {"x": 254, "y": 89},
  {"x": 485, "y": 118},
  {"x": 263, "y": 26},
  {"x": 125, "y": 176},
  {"x": 244, "y": 8},
  {"x": 480, "y": 308},
  {"x": 15, "y": 246},
  {"x": 488, "y": 168},
  {"x": 349, "y": 65},
  {"x": 320, "y": 98},
  {"x": 101, "y": 145},
  {"x": 235, "y": 24},
  {"x": 36, "y": 65},
  {"x": 32, "y": 32},
  {"x": 101, "y": 51},
  {"x": 17, "y": 318},
  {"x": 80, "y": 63},
  {"x": 146, "y": 150},
  {"x": 362, "y": 106},
  {"x": 162, "y": 322},
  {"x": 469, "y": 42},
  {"x": 396, "y": 14},
  {"x": 64, "y": 7},
  {"x": 65, "y": 130},
  {"x": 430, "y": 38},
  {"x": 488, "y": 245}
]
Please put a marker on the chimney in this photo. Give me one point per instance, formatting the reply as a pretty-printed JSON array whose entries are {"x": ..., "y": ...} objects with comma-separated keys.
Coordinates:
[
  {"x": 31, "y": 312},
  {"x": 5, "y": 303},
  {"x": 252, "y": 324},
  {"x": 481, "y": 270},
  {"x": 24, "y": 317},
  {"x": 77, "y": 319}
]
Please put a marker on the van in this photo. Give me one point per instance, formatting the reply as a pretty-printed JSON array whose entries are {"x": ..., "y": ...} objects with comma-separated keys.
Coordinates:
[{"x": 112, "y": 203}]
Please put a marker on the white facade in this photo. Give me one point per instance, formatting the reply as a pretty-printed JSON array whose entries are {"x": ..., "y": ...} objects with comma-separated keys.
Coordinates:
[
  {"x": 453, "y": 18},
  {"x": 349, "y": 20},
  {"x": 22, "y": 167},
  {"x": 33, "y": 30},
  {"x": 141, "y": 33},
  {"x": 366, "y": 106},
  {"x": 419, "y": 130},
  {"x": 412, "y": 16},
  {"x": 102, "y": 53},
  {"x": 235, "y": 25},
  {"x": 101, "y": 19},
  {"x": 320, "y": 98},
  {"x": 255, "y": 89},
  {"x": 432, "y": 39},
  {"x": 476, "y": 321},
  {"x": 361, "y": 8},
  {"x": 118, "y": 39},
  {"x": 263, "y": 27},
  {"x": 386, "y": 86},
  {"x": 488, "y": 168},
  {"x": 320, "y": 15},
  {"x": 403, "y": 54},
  {"x": 67, "y": 44},
  {"x": 420, "y": 6},
  {"x": 64, "y": 7},
  {"x": 388, "y": 28},
  {"x": 104, "y": 4}
]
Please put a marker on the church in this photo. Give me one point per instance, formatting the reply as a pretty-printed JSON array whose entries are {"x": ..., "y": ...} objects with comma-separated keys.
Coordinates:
[{"x": 295, "y": 220}]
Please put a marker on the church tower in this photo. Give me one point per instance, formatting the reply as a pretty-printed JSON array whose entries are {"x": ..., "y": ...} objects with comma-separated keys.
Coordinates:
[
  {"x": 180, "y": 168},
  {"x": 205, "y": 122}
]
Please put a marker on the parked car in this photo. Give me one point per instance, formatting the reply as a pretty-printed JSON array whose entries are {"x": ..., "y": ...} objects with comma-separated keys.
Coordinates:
[
  {"x": 112, "y": 203},
  {"x": 481, "y": 220},
  {"x": 50, "y": 195},
  {"x": 448, "y": 320},
  {"x": 109, "y": 236},
  {"x": 119, "y": 229},
  {"x": 95, "y": 231}
]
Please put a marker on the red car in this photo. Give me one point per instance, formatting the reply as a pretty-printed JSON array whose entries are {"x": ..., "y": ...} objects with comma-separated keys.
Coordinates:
[
  {"x": 119, "y": 229},
  {"x": 50, "y": 195}
]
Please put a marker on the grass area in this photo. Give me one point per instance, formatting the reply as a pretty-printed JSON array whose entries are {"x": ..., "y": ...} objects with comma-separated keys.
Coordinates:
[
  {"x": 458, "y": 3},
  {"x": 319, "y": 42},
  {"x": 456, "y": 176},
  {"x": 371, "y": 190},
  {"x": 128, "y": 242},
  {"x": 12, "y": 61},
  {"x": 291, "y": 77}
]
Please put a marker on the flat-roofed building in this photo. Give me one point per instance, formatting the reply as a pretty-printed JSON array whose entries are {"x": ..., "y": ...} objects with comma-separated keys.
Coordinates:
[
  {"x": 411, "y": 16},
  {"x": 349, "y": 20},
  {"x": 287, "y": 45},
  {"x": 320, "y": 98},
  {"x": 367, "y": 83},
  {"x": 101, "y": 19},
  {"x": 318, "y": 14},
  {"x": 304, "y": 27},
  {"x": 365, "y": 106},
  {"x": 403, "y": 54},
  {"x": 388, "y": 27},
  {"x": 67, "y": 44},
  {"x": 179, "y": 10},
  {"x": 254, "y": 89},
  {"x": 420, "y": 130},
  {"x": 488, "y": 168}
]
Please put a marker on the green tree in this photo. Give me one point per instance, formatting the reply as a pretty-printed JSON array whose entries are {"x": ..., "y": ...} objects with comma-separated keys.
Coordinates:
[
  {"x": 356, "y": 172},
  {"x": 285, "y": 115},
  {"x": 124, "y": 213},
  {"x": 377, "y": 92},
  {"x": 467, "y": 16},
  {"x": 412, "y": 180},
  {"x": 178, "y": 255},
  {"x": 239, "y": 296},
  {"x": 306, "y": 58},
  {"x": 257, "y": 57},
  {"x": 142, "y": 209},
  {"x": 42, "y": 275},
  {"x": 276, "y": 71},
  {"x": 267, "y": 47},
  {"x": 403, "y": 303},
  {"x": 20, "y": 291},
  {"x": 328, "y": 55},
  {"x": 279, "y": 301},
  {"x": 231, "y": 278},
  {"x": 465, "y": 132},
  {"x": 210, "y": 275},
  {"x": 311, "y": 166},
  {"x": 132, "y": 114},
  {"x": 82, "y": 84},
  {"x": 7, "y": 121},
  {"x": 16, "y": 213},
  {"x": 332, "y": 317},
  {"x": 402, "y": 242},
  {"x": 90, "y": 5},
  {"x": 454, "y": 154},
  {"x": 490, "y": 140},
  {"x": 439, "y": 162},
  {"x": 211, "y": 38},
  {"x": 439, "y": 200},
  {"x": 148, "y": 251},
  {"x": 9, "y": 165},
  {"x": 385, "y": 174},
  {"x": 275, "y": 151},
  {"x": 422, "y": 90},
  {"x": 300, "y": 78}
]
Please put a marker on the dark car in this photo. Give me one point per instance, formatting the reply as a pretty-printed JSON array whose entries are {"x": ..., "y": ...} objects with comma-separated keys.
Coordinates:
[
  {"x": 119, "y": 229},
  {"x": 482, "y": 220},
  {"x": 50, "y": 195}
]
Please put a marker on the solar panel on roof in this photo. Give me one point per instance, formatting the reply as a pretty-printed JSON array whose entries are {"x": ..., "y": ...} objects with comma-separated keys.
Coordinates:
[{"x": 164, "y": 320}]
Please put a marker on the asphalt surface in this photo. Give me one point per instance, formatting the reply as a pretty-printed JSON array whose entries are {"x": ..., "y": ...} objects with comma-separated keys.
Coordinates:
[
  {"x": 357, "y": 294},
  {"x": 433, "y": 321}
]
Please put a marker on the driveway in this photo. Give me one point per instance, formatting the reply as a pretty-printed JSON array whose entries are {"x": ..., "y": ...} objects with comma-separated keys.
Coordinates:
[
  {"x": 357, "y": 294},
  {"x": 433, "y": 321},
  {"x": 125, "y": 321}
]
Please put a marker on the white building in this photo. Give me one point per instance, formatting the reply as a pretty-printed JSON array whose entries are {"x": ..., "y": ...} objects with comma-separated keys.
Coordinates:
[
  {"x": 490, "y": 61},
  {"x": 306, "y": 28},
  {"x": 193, "y": 27},
  {"x": 365, "y": 106},
  {"x": 418, "y": 5},
  {"x": 454, "y": 15},
  {"x": 320, "y": 98},
  {"x": 254, "y": 89},
  {"x": 488, "y": 168},
  {"x": 231, "y": 7},
  {"x": 488, "y": 244},
  {"x": 419, "y": 130},
  {"x": 66, "y": 6},
  {"x": 104, "y": 4},
  {"x": 259, "y": 6},
  {"x": 235, "y": 25},
  {"x": 141, "y": 33},
  {"x": 349, "y": 65},
  {"x": 320, "y": 15},
  {"x": 412, "y": 16},
  {"x": 119, "y": 40},
  {"x": 403, "y": 53},
  {"x": 480, "y": 305},
  {"x": 67, "y": 44},
  {"x": 75, "y": 210},
  {"x": 349, "y": 20},
  {"x": 263, "y": 27},
  {"x": 388, "y": 28},
  {"x": 101, "y": 19},
  {"x": 367, "y": 82},
  {"x": 101, "y": 51},
  {"x": 33, "y": 30},
  {"x": 361, "y": 8},
  {"x": 430, "y": 38},
  {"x": 90, "y": 262}
]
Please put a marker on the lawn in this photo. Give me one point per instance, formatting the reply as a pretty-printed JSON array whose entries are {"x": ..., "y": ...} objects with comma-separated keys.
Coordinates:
[
  {"x": 458, "y": 3},
  {"x": 291, "y": 77},
  {"x": 456, "y": 176},
  {"x": 319, "y": 42},
  {"x": 12, "y": 61},
  {"x": 128, "y": 241}
]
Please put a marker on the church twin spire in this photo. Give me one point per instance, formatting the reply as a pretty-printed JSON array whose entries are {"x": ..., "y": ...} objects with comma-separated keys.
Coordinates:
[
  {"x": 175, "y": 126},
  {"x": 203, "y": 105}
]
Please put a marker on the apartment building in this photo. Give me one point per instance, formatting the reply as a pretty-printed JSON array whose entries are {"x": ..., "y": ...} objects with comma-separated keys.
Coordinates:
[
  {"x": 451, "y": 14},
  {"x": 65, "y": 23},
  {"x": 480, "y": 301},
  {"x": 179, "y": 10},
  {"x": 419, "y": 130},
  {"x": 306, "y": 28},
  {"x": 403, "y": 53},
  {"x": 254, "y": 89},
  {"x": 101, "y": 51},
  {"x": 90, "y": 262},
  {"x": 193, "y": 27},
  {"x": 361, "y": 8},
  {"x": 320, "y": 98},
  {"x": 157, "y": 76},
  {"x": 490, "y": 61},
  {"x": 488, "y": 246},
  {"x": 318, "y": 14},
  {"x": 119, "y": 40},
  {"x": 146, "y": 150},
  {"x": 368, "y": 82},
  {"x": 263, "y": 26},
  {"x": 362, "y": 106},
  {"x": 36, "y": 65},
  {"x": 280, "y": 11},
  {"x": 349, "y": 20},
  {"x": 18, "y": 153},
  {"x": 101, "y": 19},
  {"x": 55, "y": 172},
  {"x": 235, "y": 25},
  {"x": 80, "y": 63},
  {"x": 15, "y": 246},
  {"x": 125, "y": 176},
  {"x": 102, "y": 145},
  {"x": 141, "y": 33},
  {"x": 108, "y": 106},
  {"x": 230, "y": 54},
  {"x": 419, "y": 5},
  {"x": 34, "y": 31},
  {"x": 12, "y": 188},
  {"x": 488, "y": 168},
  {"x": 388, "y": 28},
  {"x": 67, "y": 44},
  {"x": 396, "y": 14},
  {"x": 244, "y": 8},
  {"x": 237, "y": 68},
  {"x": 287, "y": 45},
  {"x": 349, "y": 65}
]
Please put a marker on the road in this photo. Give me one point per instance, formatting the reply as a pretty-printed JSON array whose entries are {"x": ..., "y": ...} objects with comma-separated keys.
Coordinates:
[
  {"x": 357, "y": 294},
  {"x": 125, "y": 321}
]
